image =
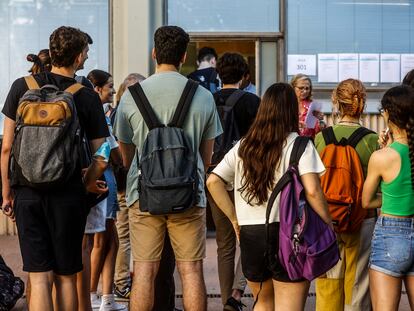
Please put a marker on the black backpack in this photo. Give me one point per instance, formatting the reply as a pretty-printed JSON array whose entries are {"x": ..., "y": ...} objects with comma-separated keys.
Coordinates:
[
  {"x": 168, "y": 179},
  {"x": 231, "y": 133},
  {"x": 11, "y": 287}
]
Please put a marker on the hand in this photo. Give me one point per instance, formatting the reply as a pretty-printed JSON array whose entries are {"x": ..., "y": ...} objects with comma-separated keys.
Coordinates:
[
  {"x": 8, "y": 210},
  {"x": 97, "y": 186},
  {"x": 384, "y": 138},
  {"x": 318, "y": 114}
]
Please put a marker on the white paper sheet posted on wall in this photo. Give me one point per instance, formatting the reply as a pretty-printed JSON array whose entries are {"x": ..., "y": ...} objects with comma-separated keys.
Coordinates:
[
  {"x": 305, "y": 64},
  {"x": 328, "y": 68},
  {"x": 348, "y": 66},
  {"x": 407, "y": 64},
  {"x": 369, "y": 68},
  {"x": 390, "y": 68}
]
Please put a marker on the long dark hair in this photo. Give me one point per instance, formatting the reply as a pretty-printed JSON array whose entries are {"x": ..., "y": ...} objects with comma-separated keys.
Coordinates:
[
  {"x": 399, "y": 103},
  {"x": 261, "y": 148},
  {"x": 41, "y": 61}
]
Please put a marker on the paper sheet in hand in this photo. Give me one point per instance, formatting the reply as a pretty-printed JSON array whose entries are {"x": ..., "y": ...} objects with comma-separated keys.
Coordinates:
[{"x": 310, "y": 119}]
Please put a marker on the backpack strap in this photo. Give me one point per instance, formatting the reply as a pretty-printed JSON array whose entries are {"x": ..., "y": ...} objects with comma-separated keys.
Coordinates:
[
  {"x": 234, "y": 98},
  {"x": 31, "y": 83},
  {"x": 74, "y": 88},
  {"x": 329, "y": 136},
  {"x": 298, "y": 149},
  {"x": 144, "y": 106},
  {"x": 184, "y": 104},
  {"x": 357, "y": 135}
]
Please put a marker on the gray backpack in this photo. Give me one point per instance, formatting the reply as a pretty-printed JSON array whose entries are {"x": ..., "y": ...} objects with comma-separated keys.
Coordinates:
[
  {"x": 168, "y": 166},
  {"x": 46, "y": 147}
]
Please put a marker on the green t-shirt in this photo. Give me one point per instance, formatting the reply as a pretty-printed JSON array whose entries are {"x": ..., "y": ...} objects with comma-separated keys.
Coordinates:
[
  {"x": 365, "y": 147},
  {"x": 163, "y": 91}
]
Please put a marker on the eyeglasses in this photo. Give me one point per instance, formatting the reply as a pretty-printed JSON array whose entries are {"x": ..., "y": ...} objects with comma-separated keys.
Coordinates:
[
  {"x": 381, "y": 110},
  {"x": 303, "y": 88}
]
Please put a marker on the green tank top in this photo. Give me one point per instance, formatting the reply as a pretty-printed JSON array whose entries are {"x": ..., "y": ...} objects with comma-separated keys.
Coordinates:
[{"x": 398, "y": 195}]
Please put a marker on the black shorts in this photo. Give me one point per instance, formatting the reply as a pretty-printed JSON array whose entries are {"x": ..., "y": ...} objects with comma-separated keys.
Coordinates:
[
  {"x": 50, "y": 226},
  {"x": 256, "y": 267}
]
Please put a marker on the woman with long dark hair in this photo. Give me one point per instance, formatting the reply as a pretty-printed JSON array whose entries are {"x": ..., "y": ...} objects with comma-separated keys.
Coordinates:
[
  {"x": 253, "y": 167},
  {"x": 105, "y": 245},
  {"x": 391, "y": 168}
]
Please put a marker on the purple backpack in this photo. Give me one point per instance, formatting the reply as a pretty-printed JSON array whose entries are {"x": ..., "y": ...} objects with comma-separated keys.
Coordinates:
[{"x": 307, "y": 245}]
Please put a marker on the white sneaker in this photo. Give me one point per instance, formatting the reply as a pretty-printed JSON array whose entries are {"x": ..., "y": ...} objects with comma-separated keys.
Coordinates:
[
  {"x": 96, "y": 301},
  {"x": 112, "y": 306}
]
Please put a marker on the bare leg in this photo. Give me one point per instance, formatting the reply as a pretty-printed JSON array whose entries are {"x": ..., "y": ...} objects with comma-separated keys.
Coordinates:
[
  {"x": 409, "y": 287},
  {"x": 194, "y": 288},
  {"x": 66, "y": 295},
  {"x": 97, "y": 259},
  {"x": 142, "y": 294},
  {"x": 285, "y": 291},
  {"x": 385, "y": 291},
  {"x": 265, "y": 302},
  {"x": 111, "y": 249},
  {"x": 41, "y": 291},
  {"x": 84, "y": 277}
]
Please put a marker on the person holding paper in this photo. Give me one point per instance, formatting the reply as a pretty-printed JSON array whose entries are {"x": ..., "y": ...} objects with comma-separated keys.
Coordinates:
[{"x": 310, "y": 116}]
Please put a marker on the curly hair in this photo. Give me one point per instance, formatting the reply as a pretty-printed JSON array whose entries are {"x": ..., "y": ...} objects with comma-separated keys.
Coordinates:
[
  {"x": 170, "y": 44},
  {"x": 261, "y": 149},
  {"x": 398, "y": 102},
  {"x": 350, "y": 96},
  {"x": 65, "y": 45},
  {"x": 299, "y": 77},
  {"x": 231, "y": 68}
]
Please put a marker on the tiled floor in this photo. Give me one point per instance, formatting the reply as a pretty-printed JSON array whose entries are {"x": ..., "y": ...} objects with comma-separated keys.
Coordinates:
[{"x": 9, "y": 249}]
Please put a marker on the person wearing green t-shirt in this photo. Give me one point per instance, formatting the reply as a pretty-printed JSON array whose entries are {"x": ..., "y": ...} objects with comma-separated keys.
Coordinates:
[
  {"x": 345, "y": 286},
  {"x": 392, "y": 257}
]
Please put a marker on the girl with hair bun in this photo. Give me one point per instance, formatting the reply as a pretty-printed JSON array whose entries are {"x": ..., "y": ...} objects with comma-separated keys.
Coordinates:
[
  {"x": 41, "y": 62},
  {"x": 391, "y": 168},
  {"x": 345, "y": 286}
]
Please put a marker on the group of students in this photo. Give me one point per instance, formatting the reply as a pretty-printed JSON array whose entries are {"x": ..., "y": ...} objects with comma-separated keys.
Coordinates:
[{"x": 243, "y": 144}]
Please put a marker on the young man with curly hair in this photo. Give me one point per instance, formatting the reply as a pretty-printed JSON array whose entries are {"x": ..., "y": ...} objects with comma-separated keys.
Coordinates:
[
  {"x": 186, "y": 229},
  {"x": 51, "y": 223}
]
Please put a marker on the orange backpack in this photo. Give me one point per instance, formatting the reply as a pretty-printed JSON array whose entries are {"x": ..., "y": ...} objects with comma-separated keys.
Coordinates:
[{"x": 343, "y": 180}]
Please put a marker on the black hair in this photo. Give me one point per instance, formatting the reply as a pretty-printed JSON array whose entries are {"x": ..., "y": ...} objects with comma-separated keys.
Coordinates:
[
  {"x": 409, "y": 79},
  {"x": 398, "y": 102},
  {"x": 98, "y": 77},
  {"x": 65, "y": 45},
  {"x": 170, "y": 44},
  {"x": 231, "y": 68},
  {"x": 206, "y": 54}
]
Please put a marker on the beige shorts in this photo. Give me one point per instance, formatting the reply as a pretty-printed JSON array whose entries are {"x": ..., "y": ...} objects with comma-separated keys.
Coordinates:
[{"x": 187, "y": 233}]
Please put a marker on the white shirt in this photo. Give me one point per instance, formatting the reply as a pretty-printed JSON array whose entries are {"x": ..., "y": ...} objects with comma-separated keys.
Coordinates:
[{"x": 230, "y": 169}]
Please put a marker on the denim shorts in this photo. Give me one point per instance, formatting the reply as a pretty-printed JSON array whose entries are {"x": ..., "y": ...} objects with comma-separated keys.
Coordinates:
[
  {"x": 112, "y": 199},
  {"x": 392, "y": 246}
]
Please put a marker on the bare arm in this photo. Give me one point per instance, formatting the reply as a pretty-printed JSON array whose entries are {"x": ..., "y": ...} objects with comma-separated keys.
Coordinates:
[
  {"x": 128, "y": 153},
  {"x": 315, "y": 197},
  {"x": 95, "y": 170},
  {"x": 370, "y": 196},
  {"x": 206, "y": 151},
  {"x": 218, "y": 191},
  {"x": 8, "y": 137}
]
